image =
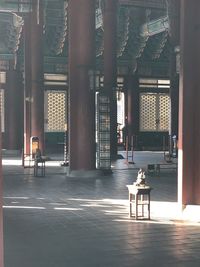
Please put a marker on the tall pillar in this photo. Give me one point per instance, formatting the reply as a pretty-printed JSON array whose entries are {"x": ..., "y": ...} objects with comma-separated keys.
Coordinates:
[
  {"x": 110, "y": 66},
  {"x": 82, "y": 98},
  {"x": 13, "y": 110},
  {"x": 37, "y": 75},
  {"x": 27, "y": 83},
  {"x": 132, "y": 105},
  {"x": 174, "y": 19},
  {"x": 174, "y": 96},
  {"x": 1, "y": 205},
  {"x": 189, "y": 108}
]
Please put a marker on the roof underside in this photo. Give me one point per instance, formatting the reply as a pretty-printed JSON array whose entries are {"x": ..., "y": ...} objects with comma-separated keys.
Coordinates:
[{"x": 143, "y": 32}]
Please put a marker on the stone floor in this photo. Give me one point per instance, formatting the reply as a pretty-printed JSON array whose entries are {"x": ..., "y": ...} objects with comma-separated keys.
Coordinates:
[{"x": 57, "y": 221}]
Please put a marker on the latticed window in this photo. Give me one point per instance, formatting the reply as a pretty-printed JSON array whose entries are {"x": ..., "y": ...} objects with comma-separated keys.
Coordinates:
[
  {"x": 55, "y": 111},
  {"x": 154, "y": 112}
]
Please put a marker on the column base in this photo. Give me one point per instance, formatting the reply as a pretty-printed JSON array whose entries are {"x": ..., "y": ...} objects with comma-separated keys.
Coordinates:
[{"x": 191, "y": 213}]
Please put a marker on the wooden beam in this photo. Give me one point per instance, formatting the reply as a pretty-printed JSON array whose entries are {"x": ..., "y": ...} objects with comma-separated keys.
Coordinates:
[{"x": 157, "y": 4}]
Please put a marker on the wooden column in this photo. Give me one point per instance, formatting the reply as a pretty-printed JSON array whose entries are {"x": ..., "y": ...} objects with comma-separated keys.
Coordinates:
[
  {"x": 174, "y": 19},
  {"x": 174, "y": 96},
  {"x": 27, "y": 83},
  {"x": 1, "y": 204},
  {"x": 37, "y": 75},
  {"x": 189, "y": 107},
  {"x": 110, "y": 66},
  {"x": 82, "y": 98},
  {"x": 13, "y": 110},
  {"x": 132, "y": 105}
]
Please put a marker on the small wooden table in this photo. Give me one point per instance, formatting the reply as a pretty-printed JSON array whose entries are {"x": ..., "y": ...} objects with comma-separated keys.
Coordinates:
[{"x": 139, "y": 196}]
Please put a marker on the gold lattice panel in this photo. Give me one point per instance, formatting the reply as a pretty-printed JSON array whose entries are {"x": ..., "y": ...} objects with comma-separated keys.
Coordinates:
[
  {"x": 147, "y": 112},
  {"x": 164, "y": 112},
  {"x": 2, "y": 109},
  {"x": 56, "y": 111}
]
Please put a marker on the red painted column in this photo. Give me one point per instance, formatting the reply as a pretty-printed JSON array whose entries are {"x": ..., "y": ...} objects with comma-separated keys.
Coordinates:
[
  {"x": 37, "y": 75},
  {"x": 13, "y": 110},
  {"x": 82, "y": 98},
  {"x": 1, "y": 205},
  {"x": 27, "y": 83},
  {"x": 174, "y": 95},
  {"x": 110, "y": 66},
  {"x": 132, "y": 105},
  {"x": 189, "y": 108},
  {"x": 174, "y": 19}
]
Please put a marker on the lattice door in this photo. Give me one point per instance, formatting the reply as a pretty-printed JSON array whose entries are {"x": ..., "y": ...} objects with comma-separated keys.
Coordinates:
[
  {"x": 103, "y": 132},
  {"x": 164, "y": 112},
  {"x": 154, "y": 112},
  {"x": 55, "y": 111},
  {"x": 148, "y": 112},
  {"x": 2, "y": 109}
]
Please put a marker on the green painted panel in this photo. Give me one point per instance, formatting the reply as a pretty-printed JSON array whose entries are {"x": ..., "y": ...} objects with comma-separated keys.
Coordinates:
[
  {"x": 152, "y": 140},
  {"x": 54, "y": 138}
]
